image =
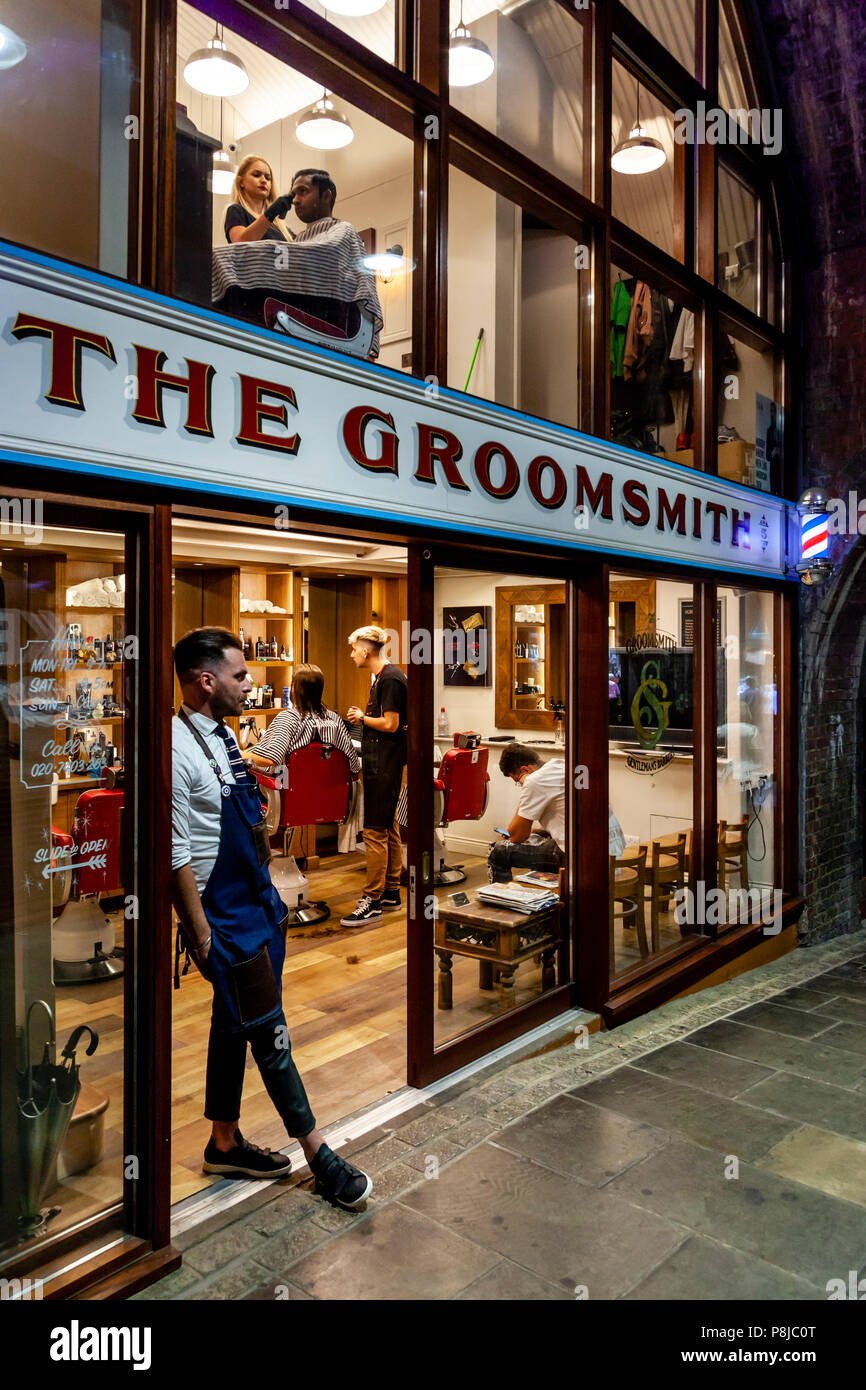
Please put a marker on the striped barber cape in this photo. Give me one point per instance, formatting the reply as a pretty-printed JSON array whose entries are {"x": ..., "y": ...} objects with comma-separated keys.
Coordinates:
[{"x": 324, "y": 259}]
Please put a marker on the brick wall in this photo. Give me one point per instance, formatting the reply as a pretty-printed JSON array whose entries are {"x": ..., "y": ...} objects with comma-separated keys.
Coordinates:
[{"x": 818, "y": 58}]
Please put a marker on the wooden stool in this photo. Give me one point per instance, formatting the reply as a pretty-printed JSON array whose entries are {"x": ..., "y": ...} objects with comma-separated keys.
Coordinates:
[
  {"x": 626, "y": 887},
  {"x": 666, "y": 872},
  {"x": 733, "y": 852}
]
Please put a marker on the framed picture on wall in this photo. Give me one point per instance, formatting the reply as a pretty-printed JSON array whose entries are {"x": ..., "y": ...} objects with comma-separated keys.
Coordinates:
[{"x": 466, "y": 648}]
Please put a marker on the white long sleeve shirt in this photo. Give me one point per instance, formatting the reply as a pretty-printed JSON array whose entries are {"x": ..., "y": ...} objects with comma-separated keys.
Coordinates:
[{"x": 196, "y": 799}]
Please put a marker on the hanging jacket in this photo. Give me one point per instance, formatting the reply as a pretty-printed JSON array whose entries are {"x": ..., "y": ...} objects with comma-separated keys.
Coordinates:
[
  {"x": 620, "y": 312},
  {"x": 639, "y": 333}
]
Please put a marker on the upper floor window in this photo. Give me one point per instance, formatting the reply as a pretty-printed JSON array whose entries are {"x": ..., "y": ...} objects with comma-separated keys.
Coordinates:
[
  {"x": 672, "y": 22},
  {"x": 69, "y": 135},
  {"x": 294, "y": 207},
  {"x": 369, "y": 22}
]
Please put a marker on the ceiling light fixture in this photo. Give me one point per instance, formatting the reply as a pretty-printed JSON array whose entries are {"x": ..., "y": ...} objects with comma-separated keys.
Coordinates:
[
  {"x": 323, "y": 127},
  {"x": 12, "y": 49},
  {"x": 353, "y": 9},
  {"x": 224, "y": 170},
  {"x": 640, "y": 153},
  {"x": 469, "y": 60},
  {"x": 216, "y": 71}
]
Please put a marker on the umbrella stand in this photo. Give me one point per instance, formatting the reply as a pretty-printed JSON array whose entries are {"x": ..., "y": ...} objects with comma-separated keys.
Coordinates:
[{"x": 47, "y": 1094}]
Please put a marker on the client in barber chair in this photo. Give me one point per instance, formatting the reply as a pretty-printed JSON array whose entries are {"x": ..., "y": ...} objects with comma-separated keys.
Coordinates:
[
  {"x": 306, "y": 721},
  {"x": 542, "y": 801},
  {"x": 329, "y": 281}
]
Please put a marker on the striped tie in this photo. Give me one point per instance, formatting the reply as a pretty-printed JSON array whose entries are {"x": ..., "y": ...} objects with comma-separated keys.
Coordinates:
[{"x": 240, "y": 772}]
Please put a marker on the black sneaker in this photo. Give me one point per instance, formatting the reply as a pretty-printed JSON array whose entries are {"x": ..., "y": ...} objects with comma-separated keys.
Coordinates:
[
  {"x": 246, "y": 1160},
  {"x": 368, "y": 910},
  {"x": 338, "y": 1181},
  {"x": 390, "y": 899}
]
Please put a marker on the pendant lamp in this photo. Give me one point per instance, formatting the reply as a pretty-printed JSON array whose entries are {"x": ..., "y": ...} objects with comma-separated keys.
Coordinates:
[
  {"x": 352, "y": 9},
  {"x": 215, "y": 70},
  {"x": 323, "y": 127},
  {"x": 469, "y": 60},
  {"x": 386, "y": 264},
  {"x": 12, "y": 49},
  {"x": 224, "y": 169},
  {"x": 640, "y": 153}
]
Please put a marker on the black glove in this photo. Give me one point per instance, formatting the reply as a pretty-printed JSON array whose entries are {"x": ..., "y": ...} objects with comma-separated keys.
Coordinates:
[{"x": 279, "y": 207}]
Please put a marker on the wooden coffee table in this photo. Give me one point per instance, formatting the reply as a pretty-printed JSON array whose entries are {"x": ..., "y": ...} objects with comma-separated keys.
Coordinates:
[{"x": 499, "y": 940}]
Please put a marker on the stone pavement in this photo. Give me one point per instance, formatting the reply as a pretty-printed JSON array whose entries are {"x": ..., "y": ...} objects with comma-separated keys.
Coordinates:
[{"x": 713, "y": 1150}]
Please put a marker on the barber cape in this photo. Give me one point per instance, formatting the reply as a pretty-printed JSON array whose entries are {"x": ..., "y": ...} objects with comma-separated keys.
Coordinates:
[{"x": 324, "y": 259}]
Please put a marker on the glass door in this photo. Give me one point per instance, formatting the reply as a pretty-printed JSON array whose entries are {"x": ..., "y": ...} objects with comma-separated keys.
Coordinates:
[
  {"x": 491, "y": 805},
  {"x": 69, "y": 667}
]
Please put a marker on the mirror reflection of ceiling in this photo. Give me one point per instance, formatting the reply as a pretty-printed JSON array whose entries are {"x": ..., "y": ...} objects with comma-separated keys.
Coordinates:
[
  {"x": 209, "y": 543},
  {"x": 276, "y": 92}
]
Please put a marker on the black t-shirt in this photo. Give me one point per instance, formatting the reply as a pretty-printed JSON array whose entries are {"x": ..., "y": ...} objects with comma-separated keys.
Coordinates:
[
  {"x": 388, "y": 692},
  {"x": 237, "y": 216}
]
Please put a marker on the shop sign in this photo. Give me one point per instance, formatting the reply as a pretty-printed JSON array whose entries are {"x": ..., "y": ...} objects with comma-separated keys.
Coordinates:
[{"x": 103, "y": 378}]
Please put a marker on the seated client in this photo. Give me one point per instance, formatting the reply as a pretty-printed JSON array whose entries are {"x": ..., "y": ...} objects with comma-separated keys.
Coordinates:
[
  {"x": 543, "y": 801},
  {"x": 306, "y": 721}
]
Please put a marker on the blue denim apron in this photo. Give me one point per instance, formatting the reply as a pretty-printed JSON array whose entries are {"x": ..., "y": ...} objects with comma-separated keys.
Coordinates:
[{"x": 245, "y": 912}]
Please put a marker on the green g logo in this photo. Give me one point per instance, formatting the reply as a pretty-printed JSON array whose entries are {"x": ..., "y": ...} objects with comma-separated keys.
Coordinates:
[{"x": 654, "y": 708}]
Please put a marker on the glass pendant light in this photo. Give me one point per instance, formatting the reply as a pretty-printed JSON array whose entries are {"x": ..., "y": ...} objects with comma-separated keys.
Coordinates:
[
  {"x": 216, "y": 71},
  {"x": 469, "y": 60},
  {"x": 640, "y": 153},
  {"x": 352, "y": 9},
  {"x": 12, "y": 49},
  {"x": 386, "y": 264},
  {"x": 224, "y": 170},
  {"x": 323, "y": 127}
]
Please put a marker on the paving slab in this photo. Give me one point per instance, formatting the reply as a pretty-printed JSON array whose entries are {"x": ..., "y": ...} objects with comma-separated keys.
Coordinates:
[
  {"x": 708, "y": 1271},
  {"x": 395, "y": 1254},
  {"x": 850, "y": 1037},
  {"x": 708, "y": 1071},
  {"x": 570, "y": 1234},
  {"x": 581, "y": 1140},
  {"x": 811, "y": 1235},
  {"x": 833, "y": 1108},
  {"x": 682, "y": 1110},
  {"x": 830, "y": 1162},
  {"x": 775, "y": 1018},
  {"x": 783, "y": 1053},
  {"x": 508, "y": 1283}
]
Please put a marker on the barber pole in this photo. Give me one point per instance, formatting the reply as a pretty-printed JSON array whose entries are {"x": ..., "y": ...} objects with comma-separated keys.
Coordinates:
[{"x": 814, "y": 535}]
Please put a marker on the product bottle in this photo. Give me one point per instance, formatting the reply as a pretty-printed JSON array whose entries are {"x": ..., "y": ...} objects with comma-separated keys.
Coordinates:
[
  {"x": 443, "y": 728},
  {"x": 286, "y": 696},
  {"x": 275, "y": 651},
  {"x": 258, "y": 649},
  {"x": 284, "y": 655},
  {"x": 243, "y": 641}
]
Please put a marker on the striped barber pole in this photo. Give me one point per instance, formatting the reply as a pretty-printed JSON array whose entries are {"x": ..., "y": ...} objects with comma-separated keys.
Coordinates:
[{"x": 814, "y": 535}]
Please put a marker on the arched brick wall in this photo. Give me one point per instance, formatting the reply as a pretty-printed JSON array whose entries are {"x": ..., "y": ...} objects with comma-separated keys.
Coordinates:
[{"x": 817, "y": 57}]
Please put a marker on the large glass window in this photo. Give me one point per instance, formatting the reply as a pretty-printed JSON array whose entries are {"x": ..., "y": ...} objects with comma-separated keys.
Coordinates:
[
  {"x": 650, "y": 766},
  {"x": 69, "y": 128},
  {"x": 652, "y": 358},
  {"x": 739, "y": 242},
  {"x": 501, "y": 695},
  {"x": 68, "y": 872},
  {"x": 749, "y": 448},
  {"x": 517, "y": 279},
  {"x": 370, "y": 22},
  {"x": 533, "y": 99},
  {"x": 649, "y": 200},
  {"x": 304, "y": 271}
]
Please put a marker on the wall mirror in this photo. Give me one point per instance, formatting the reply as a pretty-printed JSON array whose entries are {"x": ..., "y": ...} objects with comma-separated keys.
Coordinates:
[{"x": 531, "y": 656}]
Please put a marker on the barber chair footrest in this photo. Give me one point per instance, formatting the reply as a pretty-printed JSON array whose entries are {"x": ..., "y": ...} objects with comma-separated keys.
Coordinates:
[
  {"x": 308, "y": 915},
  {"x": 449, "y": 873}
]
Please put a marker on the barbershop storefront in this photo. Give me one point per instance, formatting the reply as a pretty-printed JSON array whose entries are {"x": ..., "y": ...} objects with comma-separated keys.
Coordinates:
[{"x": 557, "y": 563}]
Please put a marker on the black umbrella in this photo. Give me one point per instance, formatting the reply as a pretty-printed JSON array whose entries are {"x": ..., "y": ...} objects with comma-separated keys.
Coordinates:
[{"x": 47, "y": 1094}]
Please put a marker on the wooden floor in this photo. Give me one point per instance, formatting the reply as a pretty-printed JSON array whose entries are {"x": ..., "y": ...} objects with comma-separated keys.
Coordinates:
[{"x": 344, "y": 993}]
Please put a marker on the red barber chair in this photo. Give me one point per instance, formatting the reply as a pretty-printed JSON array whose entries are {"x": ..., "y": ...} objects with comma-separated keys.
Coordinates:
[
  {"x": 462, "y": 790},
  {"x": 313, "y": 788},
  {"x": 86, "y": 864}
]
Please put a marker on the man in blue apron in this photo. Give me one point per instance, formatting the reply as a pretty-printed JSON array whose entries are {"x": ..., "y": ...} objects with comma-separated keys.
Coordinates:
[{"x": 233, "y": 921}]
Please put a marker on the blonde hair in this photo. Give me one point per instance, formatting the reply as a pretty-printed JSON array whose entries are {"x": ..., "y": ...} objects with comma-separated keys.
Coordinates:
[
  {"x": 375, "y": 636},
  {"x": 239, "y": 196}
]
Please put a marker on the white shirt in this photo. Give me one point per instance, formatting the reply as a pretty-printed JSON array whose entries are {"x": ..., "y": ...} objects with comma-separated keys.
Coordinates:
[
  {"x": 196, "y": 799},
  {"x": 543, "y": 798}
]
